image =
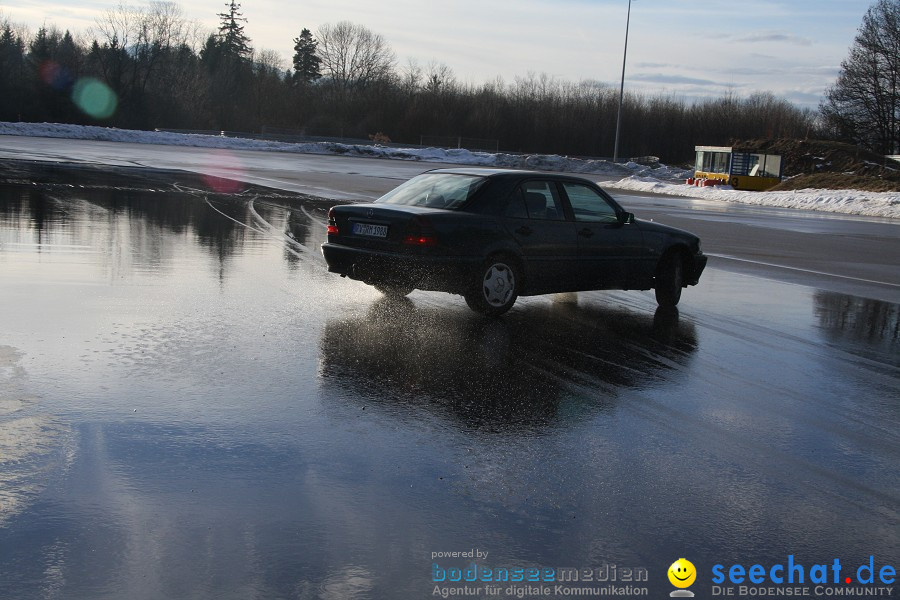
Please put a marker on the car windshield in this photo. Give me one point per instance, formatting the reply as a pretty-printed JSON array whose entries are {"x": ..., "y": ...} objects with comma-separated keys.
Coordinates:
[{"x": 435, "y": 190}]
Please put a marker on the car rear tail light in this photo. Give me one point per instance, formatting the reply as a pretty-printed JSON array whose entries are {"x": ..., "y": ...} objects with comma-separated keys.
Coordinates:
[
  {"x": 420, "y": 240},
  {"x": 420, "y": 233},
  {"x": 332, "y": 223}
]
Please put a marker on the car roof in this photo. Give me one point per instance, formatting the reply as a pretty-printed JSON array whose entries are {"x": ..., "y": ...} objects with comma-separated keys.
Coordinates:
[{"x": 495, "y": 173}]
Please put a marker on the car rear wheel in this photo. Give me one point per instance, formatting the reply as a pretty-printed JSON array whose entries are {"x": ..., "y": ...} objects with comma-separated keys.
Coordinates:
[
  {"x": 669, "y": 280},
  {"x": 496, "y": 287}
]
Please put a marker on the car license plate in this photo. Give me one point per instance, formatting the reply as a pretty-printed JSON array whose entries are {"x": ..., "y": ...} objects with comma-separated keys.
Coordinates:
[{"x": 370, "y": 230}]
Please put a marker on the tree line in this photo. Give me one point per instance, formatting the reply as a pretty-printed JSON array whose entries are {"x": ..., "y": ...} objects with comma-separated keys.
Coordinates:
[{"x": 345, "y": 81}]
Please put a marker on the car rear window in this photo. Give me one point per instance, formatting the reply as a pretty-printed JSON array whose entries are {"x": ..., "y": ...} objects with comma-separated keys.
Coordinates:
[{"x": 435, "y": 190}]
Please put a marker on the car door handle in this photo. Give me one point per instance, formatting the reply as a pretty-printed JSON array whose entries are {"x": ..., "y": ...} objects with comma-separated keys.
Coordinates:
[
  {"x": 586, "y": 232},
  {"x": 524, "y": 230}
]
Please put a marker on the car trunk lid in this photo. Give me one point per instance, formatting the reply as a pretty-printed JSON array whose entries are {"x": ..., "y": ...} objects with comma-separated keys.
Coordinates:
[{"x": 381, "y": 227}]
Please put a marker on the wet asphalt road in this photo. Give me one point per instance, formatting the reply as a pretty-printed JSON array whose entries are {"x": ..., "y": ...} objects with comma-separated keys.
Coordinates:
[{"x": 190, "y": 406}]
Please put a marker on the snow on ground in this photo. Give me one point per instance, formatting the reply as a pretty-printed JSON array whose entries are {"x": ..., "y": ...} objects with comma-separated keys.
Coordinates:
[
  {"x": 658, "y": 179},
  {"x": 853, "y": 202}
]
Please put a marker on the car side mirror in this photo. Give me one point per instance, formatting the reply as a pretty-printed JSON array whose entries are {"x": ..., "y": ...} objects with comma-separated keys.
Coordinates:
[{"x": 626, "y": 218}]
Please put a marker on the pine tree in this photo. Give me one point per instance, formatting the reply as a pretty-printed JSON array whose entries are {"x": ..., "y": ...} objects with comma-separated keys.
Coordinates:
[
  {"x": 306, "y": 61},
  {"x": 12, "y": 75},
  {"x": 42, "y": 46},
  {"x": 231, "y": 33}
]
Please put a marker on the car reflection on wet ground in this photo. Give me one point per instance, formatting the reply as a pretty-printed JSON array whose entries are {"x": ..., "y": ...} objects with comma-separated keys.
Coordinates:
[
  {"x": 502, "y": 375},
  {"x": 191, "y": 406}
]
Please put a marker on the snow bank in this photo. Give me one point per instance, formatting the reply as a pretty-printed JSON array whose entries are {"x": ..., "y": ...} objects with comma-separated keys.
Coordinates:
[
  {"x": 658, "y": 179},
  {"x": 853, "y": 202}
]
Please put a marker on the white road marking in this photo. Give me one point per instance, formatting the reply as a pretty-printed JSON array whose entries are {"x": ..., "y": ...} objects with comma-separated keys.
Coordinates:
[{"x": 811, "y": 271}]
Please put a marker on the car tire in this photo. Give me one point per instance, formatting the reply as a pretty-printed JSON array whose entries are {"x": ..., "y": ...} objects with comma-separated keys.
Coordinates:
[
  {"x": 669, "y": 280},
  {"x": 496, "y": 286}
]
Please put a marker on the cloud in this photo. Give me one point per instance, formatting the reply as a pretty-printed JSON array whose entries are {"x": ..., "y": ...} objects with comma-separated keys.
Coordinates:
[
  {"x": 748, "y": 71},
  {"x": 672, "y": 79},
  {"x": 803, "y": 98},
  {"x": 653, "y": 65},
  {"x": 766, "y": 37}
]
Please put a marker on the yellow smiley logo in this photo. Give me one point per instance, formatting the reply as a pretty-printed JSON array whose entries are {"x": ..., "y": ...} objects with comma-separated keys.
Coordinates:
[{"x": 682, "y": 573}]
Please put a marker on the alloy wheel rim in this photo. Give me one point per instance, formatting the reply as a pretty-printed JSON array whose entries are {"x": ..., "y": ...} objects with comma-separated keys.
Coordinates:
[{"x": 499, "y": 283}]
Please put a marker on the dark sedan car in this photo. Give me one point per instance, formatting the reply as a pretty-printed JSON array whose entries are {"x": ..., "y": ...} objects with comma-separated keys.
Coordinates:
[{"x": 494, "y": 235}]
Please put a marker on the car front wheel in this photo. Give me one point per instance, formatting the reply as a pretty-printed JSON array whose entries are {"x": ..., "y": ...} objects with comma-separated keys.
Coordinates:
[
  {"x": 496, "y": 287},
  {"x": 669, "y": 280}
]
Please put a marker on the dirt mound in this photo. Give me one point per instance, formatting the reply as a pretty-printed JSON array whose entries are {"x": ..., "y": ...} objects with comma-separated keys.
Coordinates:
[{"x": 829, "y": 165}]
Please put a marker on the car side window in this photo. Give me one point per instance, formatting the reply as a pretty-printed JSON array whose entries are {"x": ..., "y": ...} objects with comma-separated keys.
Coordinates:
[
  {"x": 542, "y": 200},
  {"x": 588, "y": 205},
  {"x": 516, "y": 208}
]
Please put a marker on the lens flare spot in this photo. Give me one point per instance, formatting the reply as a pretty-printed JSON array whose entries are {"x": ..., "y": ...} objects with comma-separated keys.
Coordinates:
[
  {"x": 223, "y": 172},
  {"x": 55, "y": 75},
  {"x": 95, "y": 98}
]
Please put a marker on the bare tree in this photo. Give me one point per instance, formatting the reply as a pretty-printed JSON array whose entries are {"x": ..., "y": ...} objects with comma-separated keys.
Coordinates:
[
  {"x": 353, "y": 56},
  {"x": 139, "y": 37},
  {"x": 863, "y": 106},
  {"x": 411, "y": 76},
  {"x": 116, "y": 26},
  {"x": 164, "y": 25},
  {"x": 439, "y": 78},
  {"x": 269, "y": 85}
]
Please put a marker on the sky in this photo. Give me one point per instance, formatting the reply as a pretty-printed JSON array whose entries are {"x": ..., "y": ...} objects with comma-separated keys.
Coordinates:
[{"x": 683, "y": 48}]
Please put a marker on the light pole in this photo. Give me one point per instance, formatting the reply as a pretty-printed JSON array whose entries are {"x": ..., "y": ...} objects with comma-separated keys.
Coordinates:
[{"x": 622, "y": 87}]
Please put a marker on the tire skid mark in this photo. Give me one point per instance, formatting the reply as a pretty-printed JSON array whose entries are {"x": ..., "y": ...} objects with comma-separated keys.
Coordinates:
[{"x": 273, "y": 231}]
